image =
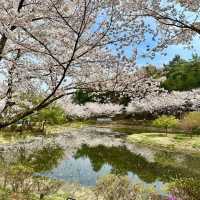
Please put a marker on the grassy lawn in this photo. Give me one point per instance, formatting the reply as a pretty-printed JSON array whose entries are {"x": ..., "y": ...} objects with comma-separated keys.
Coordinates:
[
  {"x": 178, "y": 142},
  {"x": 13, "y": 137},
  {"x": 56, "y": 129}
]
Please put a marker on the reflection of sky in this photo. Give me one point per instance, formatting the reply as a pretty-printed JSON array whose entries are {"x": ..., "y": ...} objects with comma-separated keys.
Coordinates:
[
  {"x": 157, "y": 185},
  {"x": 80, "y": 170}
]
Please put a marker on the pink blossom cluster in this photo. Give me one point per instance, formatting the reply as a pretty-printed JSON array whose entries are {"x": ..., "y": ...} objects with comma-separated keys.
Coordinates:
[
  {"x": 92, "y": 110},
  {"x": 167, "y": 103}
]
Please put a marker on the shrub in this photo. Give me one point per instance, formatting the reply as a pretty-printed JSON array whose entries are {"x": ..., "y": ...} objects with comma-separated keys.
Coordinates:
[
  {"x": 18, "y": 182},
  {"x": 53, "y": 115},
  {"x": 191, "y": 122},
  {"x": 165, "y": 122},
  {"x": 113, "y": 187},
  {"x": 186, "y": 189}
]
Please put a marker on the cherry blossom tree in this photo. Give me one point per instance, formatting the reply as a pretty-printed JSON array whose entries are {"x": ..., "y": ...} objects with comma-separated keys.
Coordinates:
[
  {"x": 91, "y": 110},
  {"x": 152, "y": 105},
  {"x": 174, "y": 103},
  {"x": 119, "y": 82},
  {"x": 179, "y": 21},
  {"x": 51, "y": 48},
  {"x": 46, "y": 45},
  {"x": 168, "y": 22}
]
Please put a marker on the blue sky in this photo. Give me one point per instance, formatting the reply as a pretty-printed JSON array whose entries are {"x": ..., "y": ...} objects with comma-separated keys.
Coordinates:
[
  {"x": 159, "y": 58},
  {"x": 171, "y": 51}
]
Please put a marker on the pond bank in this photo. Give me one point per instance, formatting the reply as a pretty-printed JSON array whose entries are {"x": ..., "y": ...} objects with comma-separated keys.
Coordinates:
[{"x": 171, "y": 142}]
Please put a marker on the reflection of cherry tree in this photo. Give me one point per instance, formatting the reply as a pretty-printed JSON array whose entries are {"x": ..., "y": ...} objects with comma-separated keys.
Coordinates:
[{"x": 17, "y": 174}]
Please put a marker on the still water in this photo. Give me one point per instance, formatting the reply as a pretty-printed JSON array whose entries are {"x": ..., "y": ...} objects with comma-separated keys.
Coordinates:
[{"x": 90, "y": 163}]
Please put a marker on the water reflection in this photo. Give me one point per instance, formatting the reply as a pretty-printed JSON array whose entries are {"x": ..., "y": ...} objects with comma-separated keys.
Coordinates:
[
  {"x": 26, "y": 172},
  {"x": 79, "y": 170},
  {"x": 124, "y": 161},
  {"x": 90, "y": 163}
]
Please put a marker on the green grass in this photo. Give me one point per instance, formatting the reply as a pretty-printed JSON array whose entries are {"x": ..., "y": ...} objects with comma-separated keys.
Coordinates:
[
  {"x": 175, "y": 141},
  {"x": 57, "y": 129},
  {"x": 135, "y": 129},
  {"x": 126, "y": 130},
  {"x": 11, "y": 137}
]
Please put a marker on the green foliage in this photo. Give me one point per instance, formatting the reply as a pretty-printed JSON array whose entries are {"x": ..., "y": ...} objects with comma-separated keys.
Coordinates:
[
  {"x": 191, "y": 122},
  {"x": 176, "y": 60},
  {"x": 165, "y": 122},
  {"x": 4, "y": 194},
  {"x": 52, "y": 114},
  {"x": 60, "y": 195},
  {"x": 182, "y": 75},
  {"x": 82, "y": 97},
  {"x": 46, "y": 158},
  {"x": 186, "y": 189}
]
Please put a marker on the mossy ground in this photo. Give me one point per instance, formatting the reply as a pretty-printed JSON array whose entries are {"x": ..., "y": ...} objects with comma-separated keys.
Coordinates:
[
  {"x": 174, "y": 141},
  {"x": 7, "y": 137},
  {"x": 57, "y": 129}
]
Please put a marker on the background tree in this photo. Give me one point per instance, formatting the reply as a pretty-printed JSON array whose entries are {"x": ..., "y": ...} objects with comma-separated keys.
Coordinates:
[
  {"x": 165, "y": 122},
  {"x": 182, "y": 75},
  {"x": 152, "y": 71},
  {"x": 190, "y": 122},
  {"x": 82, "y": 97}
]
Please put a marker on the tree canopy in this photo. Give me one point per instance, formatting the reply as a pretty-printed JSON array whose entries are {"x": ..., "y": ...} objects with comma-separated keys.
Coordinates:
[
  {"x": 183, "y": 75},
  {"x": 54, "y": 47}
]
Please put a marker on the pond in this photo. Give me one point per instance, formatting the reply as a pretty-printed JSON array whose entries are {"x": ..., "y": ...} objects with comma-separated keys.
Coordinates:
[
  {"x": 91, "y": 163},
  {"x": 99, "y": 155}
]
